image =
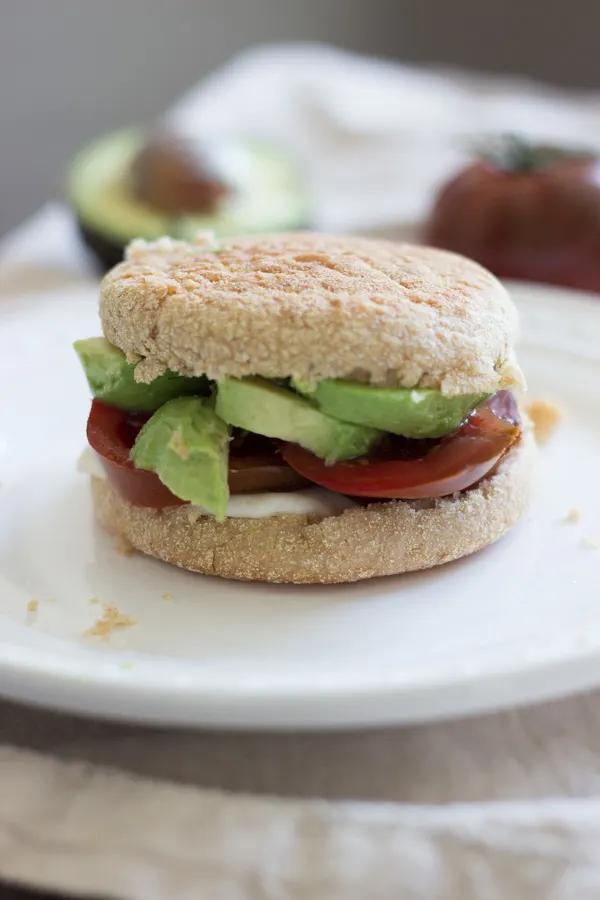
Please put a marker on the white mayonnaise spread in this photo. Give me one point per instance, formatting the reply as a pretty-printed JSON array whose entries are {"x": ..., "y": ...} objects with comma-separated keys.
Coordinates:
[{"x": 311, "y": 501}]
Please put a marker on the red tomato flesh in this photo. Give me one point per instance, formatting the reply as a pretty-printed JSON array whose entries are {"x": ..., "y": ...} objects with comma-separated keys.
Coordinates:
[
  {"x": 454, "y": 464},
  {"x": 254, "y": 466}
]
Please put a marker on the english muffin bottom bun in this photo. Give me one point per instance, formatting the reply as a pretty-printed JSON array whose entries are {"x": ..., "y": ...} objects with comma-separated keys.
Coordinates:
[
  {"x": 304, "y": 408},
  {"x": 360, "y": 542}
]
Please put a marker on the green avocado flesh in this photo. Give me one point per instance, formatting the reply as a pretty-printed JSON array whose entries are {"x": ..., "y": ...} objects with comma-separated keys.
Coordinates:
[
  {"x": 111, "y": 379},
  {"x": 187, "y": 445},
  {"x": 258, "y": 405},
  {"x": 269, "y": 198},
  {"x": 413, "y": 413}
]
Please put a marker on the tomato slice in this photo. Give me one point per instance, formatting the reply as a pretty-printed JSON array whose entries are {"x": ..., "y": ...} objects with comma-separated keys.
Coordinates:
[
  {"x": 262, "y": 472},
  {"x": 454, "y": 464},
  {"x": 111, "y": 433}
]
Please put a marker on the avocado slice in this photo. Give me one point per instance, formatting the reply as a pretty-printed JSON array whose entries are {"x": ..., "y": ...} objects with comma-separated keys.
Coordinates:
[
  {"x": 112, "y": 380},
  {"x": 270, "y": 196},
  {"x": 412, "y": 413},
  {"x": 263, "y": 407},
  {"x": 187, "y": 445}
]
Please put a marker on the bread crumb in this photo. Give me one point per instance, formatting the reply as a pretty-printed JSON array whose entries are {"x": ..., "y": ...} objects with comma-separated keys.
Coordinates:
[
  {"x": 545, "y": 416},
  {"x": 592, "y": 543},
  {"x": 32, "y": 606},
  {"x": 167, "y": 595},
  {"x": 574, "y": 515},
  {"x": 93, "y": 600},
  {"x": 123, "y": 546},
  {"x": 111, "y": 619}
]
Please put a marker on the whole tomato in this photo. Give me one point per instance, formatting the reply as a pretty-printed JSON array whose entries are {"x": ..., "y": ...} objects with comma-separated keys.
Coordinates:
[{"x": 525, "y": 212}]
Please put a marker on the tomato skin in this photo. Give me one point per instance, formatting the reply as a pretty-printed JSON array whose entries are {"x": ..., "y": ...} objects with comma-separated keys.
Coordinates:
[
  {"x": 455, "y": 463},
  {"x": 533, "y": 224}
]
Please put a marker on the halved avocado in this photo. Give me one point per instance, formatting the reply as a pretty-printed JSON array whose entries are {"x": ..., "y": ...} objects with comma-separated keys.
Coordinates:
[{"x": 269, "y": 196}]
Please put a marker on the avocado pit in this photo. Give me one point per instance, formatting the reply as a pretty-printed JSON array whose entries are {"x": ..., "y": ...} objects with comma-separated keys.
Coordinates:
[{"x": 170, "y": 175}]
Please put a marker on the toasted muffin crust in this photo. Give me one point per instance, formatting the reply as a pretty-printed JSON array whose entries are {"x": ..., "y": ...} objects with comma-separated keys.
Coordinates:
[{"x": 312, "y": 306}]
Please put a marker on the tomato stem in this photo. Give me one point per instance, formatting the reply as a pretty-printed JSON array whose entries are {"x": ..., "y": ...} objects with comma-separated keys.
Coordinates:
[{"x": 515, "y": 153}]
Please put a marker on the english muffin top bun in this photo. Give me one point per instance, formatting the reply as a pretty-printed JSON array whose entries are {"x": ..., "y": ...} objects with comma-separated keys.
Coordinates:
[
  {"x": 313, "y": 307},
  {"x": 304, "y": 408}
]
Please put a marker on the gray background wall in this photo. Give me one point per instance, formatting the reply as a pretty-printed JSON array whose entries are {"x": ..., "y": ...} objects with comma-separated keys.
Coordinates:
[{"x": 70, "y": 69}]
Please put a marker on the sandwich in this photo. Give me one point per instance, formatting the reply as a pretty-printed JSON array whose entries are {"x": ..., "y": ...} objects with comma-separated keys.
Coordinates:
[{"x": 305, "y": 408}]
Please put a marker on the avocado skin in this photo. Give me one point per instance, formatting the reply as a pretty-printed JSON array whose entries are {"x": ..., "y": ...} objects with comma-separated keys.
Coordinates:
[
  {"x": 105, "y": 254},
  {"x": 412, "y": 413},
  {"x": 262, "y": 407},
  {"x": 187, "y": 445},
  {"x": 111, "y": 379}
]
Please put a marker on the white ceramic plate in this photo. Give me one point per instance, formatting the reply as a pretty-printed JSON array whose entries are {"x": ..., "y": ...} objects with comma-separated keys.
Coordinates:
[{"x": 518, "y": 622}]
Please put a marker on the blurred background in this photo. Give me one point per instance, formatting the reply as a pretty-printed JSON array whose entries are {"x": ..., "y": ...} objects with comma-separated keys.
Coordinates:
[{"x": 72, "y": 69}]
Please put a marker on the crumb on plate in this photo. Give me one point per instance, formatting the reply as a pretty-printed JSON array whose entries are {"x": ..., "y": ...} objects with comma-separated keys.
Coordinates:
[
  {"x": 167, "y": 595},
  {"x": 123, "y": 546},
  {"x": 591, "y": 542},
  {"x": 93, "y": 600},
  {"x": 32, "y": 606},
  {"x": 545, "y": 416},
  {"x": 111, "y": 620},
  {"x": 574, "y": 515}
]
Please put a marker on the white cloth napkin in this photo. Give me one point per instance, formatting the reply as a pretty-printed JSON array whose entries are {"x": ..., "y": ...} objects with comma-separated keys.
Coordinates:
[
  {"x": 503, "y": 806},
  {"x": 375, "y": 137}
]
